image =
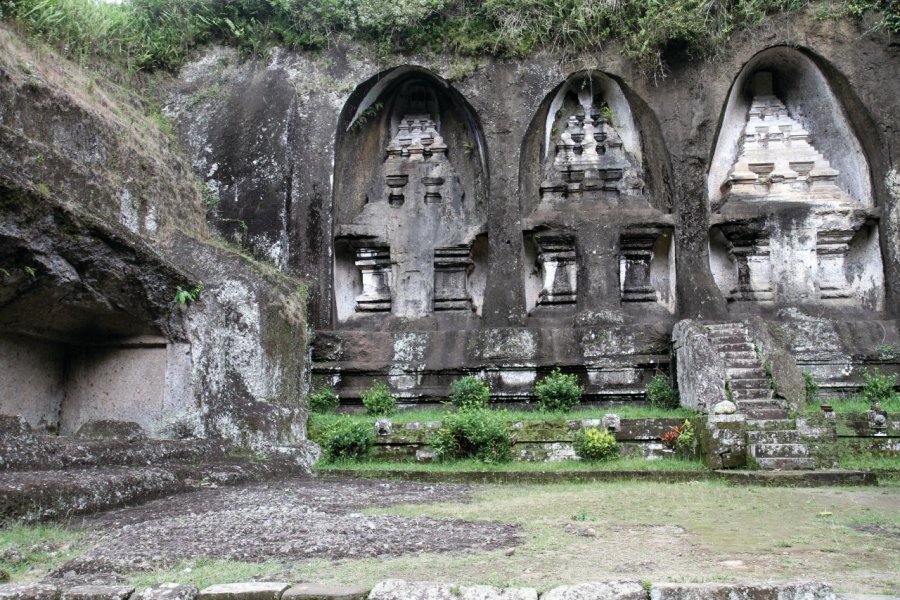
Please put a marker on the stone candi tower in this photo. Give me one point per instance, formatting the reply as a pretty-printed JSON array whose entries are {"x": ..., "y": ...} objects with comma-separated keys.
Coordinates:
[
  {"x": 788, "y": 227},
  {"x": 413, "y": 238},
  {"x": 594, "y": 232}
]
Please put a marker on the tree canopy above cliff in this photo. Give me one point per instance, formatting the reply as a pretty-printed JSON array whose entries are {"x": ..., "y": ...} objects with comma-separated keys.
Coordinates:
[{"x": 142, "y": 35}]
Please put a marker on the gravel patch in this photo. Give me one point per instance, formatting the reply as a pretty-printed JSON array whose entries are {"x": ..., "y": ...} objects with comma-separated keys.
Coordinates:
[{"x": 289, "y": 520}]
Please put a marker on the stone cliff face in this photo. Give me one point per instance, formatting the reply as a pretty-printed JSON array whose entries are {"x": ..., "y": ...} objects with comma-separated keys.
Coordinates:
[
  {"x": 499, "y": 219},
  {"x": 613, "y": 205},
  {"x": 101, "y": 224}
]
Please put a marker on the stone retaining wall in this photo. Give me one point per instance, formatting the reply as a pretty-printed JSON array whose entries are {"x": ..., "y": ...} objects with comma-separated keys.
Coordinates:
[{"x": 394, "y": 589}]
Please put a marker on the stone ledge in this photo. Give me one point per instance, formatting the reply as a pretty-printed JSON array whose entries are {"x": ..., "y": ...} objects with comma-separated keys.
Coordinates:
[
  {"x": 315, "y": 591},
  {"x": 254, "y": 590},
  {"x": 794, "y": 590}
]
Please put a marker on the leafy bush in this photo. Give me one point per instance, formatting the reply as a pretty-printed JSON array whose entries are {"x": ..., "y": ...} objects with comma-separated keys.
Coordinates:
[
  {"x": 879, "y": 387},
  {"x": 687, "y": 439},
  {"x": 469, "y": 393},
  {"x": 348, "y": 440},
  {"x": 480, "y": 434},
  {"x": 323, "y": 400},
  {"x": 595, "y": 444},
  {"x": 812, "y": 388},
  {"x": 660, "y": 392},
  {"x": 379, "y": 401},
  {"x": 557, "y": 392}
]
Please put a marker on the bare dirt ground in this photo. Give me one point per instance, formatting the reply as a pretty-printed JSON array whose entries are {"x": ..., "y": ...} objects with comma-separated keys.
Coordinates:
[{"x": 289, "y": 521}]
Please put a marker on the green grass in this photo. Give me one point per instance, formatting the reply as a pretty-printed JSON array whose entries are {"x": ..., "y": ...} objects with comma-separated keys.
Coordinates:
[
  {"x": 619, "y": 464},
  {"x": 158, "y": 34},
  {"x": 868, "y": 462},
  {"x": 855, "y": 404},
  {"x": 42, "y": 548},
  {"x": 205, "y": 572}
]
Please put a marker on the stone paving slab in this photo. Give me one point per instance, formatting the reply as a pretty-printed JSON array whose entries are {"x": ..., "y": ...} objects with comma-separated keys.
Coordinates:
[
  {"x": 316, "y": 591},
  {"x": 30, "y": 591},
  {"x": 97, "y": 592},
  {"x": 397, "y": 589},
  {"x": 794, "y": 590},
  {"x": 254, "y": 590},
  {"x": 598, "y": 590},
  {"x": 169, "y": 591}
]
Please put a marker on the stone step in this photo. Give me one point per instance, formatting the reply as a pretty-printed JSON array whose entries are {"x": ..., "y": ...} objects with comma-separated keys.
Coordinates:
[
  {"x": 726, "y": 340},
  {"x": 765, "y": 413},
  {"x": 742, "y": 363},
  {"x": 786, "y": 464},
  {"x": 779, "y": 450},
  {"x": 780, "y": 436},
  {"x": 50, "y": 494},
  {"x": 34, "y": 452},
  {"x": 738, "y": 347},
  {"x": 746, "y": 405},
  {"x": 770, "y": 424},
  {"x": 739, "y": 355},
  {"x": 742, "y": 395},
  {"x": 745, "y": 373},
  {"x": 749, "y": 383},
  {"x": 717, "y": 327}
]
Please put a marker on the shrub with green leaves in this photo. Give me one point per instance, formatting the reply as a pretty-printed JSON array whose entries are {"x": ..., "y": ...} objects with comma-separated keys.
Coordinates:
[
  {"x": 469, "y": 393},
  {"x": 558, "y": 392},
  {"x": 660, "y": 392},
  {"x": 323, "y": 400},
  {"x": 879, "y": 387},
  {"x": 595, "y": 444},
  {"x": 479, "y": 434},
  {"x": 812, "y": 388},
  {"x": 379, "y": 401},
  {"x": 687, "y": 439},
  {"x": 349, "y": 440}
]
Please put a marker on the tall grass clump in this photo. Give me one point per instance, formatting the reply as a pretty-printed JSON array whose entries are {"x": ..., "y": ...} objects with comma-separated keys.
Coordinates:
[{"x": 159, "y": 34}]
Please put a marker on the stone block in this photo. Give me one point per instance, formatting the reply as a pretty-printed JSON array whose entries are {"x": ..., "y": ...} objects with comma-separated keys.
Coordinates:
[
  {"x": 98, "y": 592},
  {"x": 795, "y": 590},
  {"x": 29, "y": 591},
  {"x": 169, "y": 591},
  {"x": 316, "y": 591},
  {"x": 397, "y": 589},
  {"x": 251, "y": 590},
  {"x": 598, "y": 590}
]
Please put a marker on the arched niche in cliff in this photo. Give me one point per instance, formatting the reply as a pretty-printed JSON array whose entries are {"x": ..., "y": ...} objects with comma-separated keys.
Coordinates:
[
  {"x": 597, "y": 228},
  {"x": 410, "y": 215},
  {"x": 790, "y": 192}
]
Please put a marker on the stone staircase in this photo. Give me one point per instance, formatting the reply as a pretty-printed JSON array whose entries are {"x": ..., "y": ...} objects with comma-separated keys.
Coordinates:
[
  {"x": 773, "y": 439},
  {"x": 44, "y": 477}
]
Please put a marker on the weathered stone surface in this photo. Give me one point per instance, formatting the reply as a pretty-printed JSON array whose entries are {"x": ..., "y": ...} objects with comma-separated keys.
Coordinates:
[
  {"x": 607, "y": 590},
  {"x": 396, "y": 589},
  {"x": 774, "y": 351},
  {"x": 747, "y": 591},
  {"x": 317, "y": 591},
  {"x": 107, "y": 429},
  {"x": 169, "y": 591},
  {"x": 97, "y": 592},
  {"x": 255, "y": 590},
  {"x": 725, "y": 407},
  {"x": 701, "y": 370},
  {"x": 29, "y": 591}
]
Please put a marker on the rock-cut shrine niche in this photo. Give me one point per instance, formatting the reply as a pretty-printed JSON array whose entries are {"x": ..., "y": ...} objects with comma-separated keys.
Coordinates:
[
  {"x": 792, "y": 220},
  {"x": 410, "y": 217},
  {"x": 596, "y": 236}
]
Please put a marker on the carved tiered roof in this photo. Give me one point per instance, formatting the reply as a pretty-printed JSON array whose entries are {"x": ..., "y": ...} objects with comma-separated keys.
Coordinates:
[
  {"x": 776, "y": 160},
  {"x": 590, "y": 161}
]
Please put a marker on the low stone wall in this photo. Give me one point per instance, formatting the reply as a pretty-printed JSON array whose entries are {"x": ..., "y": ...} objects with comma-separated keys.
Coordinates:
[
  {"x": 534, "y": 440},
  {"x": 395, "y": 589},
  {"x": 876, "y": 434}
]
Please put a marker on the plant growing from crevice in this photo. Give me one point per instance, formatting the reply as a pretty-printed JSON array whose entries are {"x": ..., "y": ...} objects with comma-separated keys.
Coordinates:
[
  {"x": 379, "y": 401},
  {"x": 184, "y": 296},
  {"x": 367, "y": 115}
]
